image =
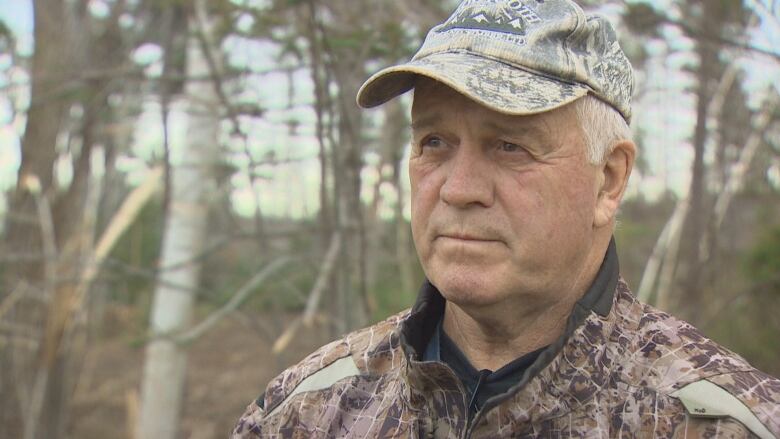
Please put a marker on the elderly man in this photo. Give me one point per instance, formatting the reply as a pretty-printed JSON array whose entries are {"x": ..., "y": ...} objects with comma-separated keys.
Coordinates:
[{"x": 520, "y": 156}]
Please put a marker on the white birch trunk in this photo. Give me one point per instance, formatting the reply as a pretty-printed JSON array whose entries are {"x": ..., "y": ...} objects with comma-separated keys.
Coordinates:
[
  {"x": 739, "y": 170},
  {"x": 664, "y": 252},
  {"x": 162, "y": 389}
]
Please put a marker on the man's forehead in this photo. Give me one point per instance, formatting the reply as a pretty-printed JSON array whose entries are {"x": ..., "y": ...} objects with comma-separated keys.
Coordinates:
[
  {"x": 433, "y": 101},
  {"x": 424, "y": 87}
]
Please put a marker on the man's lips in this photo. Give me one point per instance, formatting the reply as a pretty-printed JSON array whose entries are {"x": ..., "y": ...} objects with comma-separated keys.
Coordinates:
[{"x": 466, "y": 237}]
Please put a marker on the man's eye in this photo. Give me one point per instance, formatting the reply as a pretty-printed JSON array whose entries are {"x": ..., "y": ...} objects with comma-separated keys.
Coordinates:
[
  {"x": 432, "y": 142},
  {"x": 510, "y": 147}
]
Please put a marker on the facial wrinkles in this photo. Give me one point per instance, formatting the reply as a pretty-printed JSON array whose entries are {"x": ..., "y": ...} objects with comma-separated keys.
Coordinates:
[
  {"x": 466, "y": 227},
  {"x": 459, "y": 120},
  {"x": 468, "y": 125}
]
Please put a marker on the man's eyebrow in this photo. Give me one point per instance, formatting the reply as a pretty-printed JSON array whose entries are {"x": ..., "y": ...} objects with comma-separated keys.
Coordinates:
[
  {"x": 426, "y": 121},
  {"x": 518, "y": 129}
]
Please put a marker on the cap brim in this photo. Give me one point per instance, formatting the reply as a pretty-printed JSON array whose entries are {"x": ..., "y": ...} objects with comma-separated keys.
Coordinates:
[{"x": 494, "y": 84}]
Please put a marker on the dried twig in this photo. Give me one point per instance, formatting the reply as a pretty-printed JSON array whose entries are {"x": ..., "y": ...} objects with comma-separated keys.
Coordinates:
[
  {"x": 48, "y": 238},
  {"x": 22, "y": 330},
  {"x": 666, "y": 274},
  {"x": 35, "y": 403},
  {"x": 740, "y": 168},
  {"x": 132, "y": 402},
  {"x": 119, "y": 223},
  {"x": 10, "y": 300},
  {"x": 240, "y": 295},
  {"x": 661, "y": 253},
  {"x": 314, "y": 297},
  {"x": 715, "y": 313}
]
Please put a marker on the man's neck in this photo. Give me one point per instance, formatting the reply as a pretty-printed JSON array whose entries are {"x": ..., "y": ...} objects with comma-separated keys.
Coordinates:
[
  {"x": 496, "y": 335},
  {"x": 490, "y": 346}
]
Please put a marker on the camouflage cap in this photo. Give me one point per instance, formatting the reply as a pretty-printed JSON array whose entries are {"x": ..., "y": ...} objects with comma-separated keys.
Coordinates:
[{"x": 516, "y": 57}]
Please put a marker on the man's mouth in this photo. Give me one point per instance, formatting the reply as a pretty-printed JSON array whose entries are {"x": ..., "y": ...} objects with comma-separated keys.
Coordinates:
[{"x": 466, "y": 237}]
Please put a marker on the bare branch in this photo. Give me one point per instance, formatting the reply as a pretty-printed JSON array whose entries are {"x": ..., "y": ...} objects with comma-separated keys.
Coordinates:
[
  {"x": 670, "y": 257},
  {"x": 314, "y": 297},
  {"x": 207, "y": 48},
  {"x": 240, "y": 295},
  {"x": 46, "y": 221},
  {"x": 740, "y": 168},
  {"x": 708, "y": 35},
  {"x": 21, "y": 330},
  {"x": 120, "y": 222},
  {"x": 716, "y": 313},
  {"x": 10, "y": 300},
  {"x": 664, "y": 251}
]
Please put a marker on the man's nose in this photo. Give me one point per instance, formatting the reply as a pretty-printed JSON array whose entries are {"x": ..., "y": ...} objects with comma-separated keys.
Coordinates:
[{"x": 469, "y": 179}]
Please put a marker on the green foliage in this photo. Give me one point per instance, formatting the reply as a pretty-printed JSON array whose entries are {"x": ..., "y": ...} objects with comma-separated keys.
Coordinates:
[
  {"x": 641, "y": 165},
  {"x": 748, "y": 322},
  {"x": 763, "y": 262},
  {"x": 735, "y": 123},
  {"x": 750, "y": 326},
  {"x": 132, "y": 265},
  {"x": 348, "y": 41},
  {"x": 7, "y": 41},
  {"x": 639, "y": 224},
  {"x": 643, "y": 19},
  {"x": 392, "y": 42},
  {"x": 229, "y": 267},
  {"x": 389, "y": 294}
]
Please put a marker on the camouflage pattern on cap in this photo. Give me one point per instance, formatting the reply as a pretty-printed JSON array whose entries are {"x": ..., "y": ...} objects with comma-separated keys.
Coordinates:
[{"x": 516, "y": 57}]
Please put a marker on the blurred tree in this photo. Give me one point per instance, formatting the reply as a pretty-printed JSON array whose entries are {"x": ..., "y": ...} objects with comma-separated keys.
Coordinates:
[
  {"x": 185, "y": 234},
  {"x": 763, "y": 261},
  {"x": 82, "y": 110},
  {"x": 87, "y": 92},
  {"x": 51, "y": 226},
  {"x": 723, "y": 126},
  {"x": 708, "y": 23},
  {"x": 340, "y": 38}
]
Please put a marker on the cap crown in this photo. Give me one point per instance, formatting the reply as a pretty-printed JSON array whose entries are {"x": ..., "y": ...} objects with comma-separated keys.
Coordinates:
[{"x": 551, "y": 38}]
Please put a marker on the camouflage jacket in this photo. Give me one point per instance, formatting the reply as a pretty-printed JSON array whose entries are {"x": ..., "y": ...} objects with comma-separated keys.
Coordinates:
[{"x": 632, "y": 372}]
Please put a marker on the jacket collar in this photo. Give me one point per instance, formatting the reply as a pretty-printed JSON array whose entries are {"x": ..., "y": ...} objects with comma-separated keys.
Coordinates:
[
  {"x": 425, "y": 315},
  {"x": 546, "y": 387}
]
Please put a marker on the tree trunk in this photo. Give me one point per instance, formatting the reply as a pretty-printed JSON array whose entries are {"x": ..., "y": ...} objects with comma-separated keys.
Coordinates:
[
  {"x": 48, "y": 107},
  {"x": 395, "y": 124},
  {"x": 162, "y": 389},
  {"x": 354, "y": 300},
  {"x": 699, "y": 202},
  {"x": 51, "y": 70}
]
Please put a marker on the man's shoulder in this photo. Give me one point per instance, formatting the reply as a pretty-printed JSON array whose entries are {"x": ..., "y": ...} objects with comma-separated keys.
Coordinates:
[
  {"x": 671, "y": 357},
  {"x": 665, "y": 352},
  {"x": 364, "y": 351}
]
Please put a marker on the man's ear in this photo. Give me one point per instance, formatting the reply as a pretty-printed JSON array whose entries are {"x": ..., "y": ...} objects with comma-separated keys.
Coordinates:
[{"x": 614, "y": 179}]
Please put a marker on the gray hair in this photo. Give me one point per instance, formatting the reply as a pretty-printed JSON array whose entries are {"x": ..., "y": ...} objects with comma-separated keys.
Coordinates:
[{"x": 602, "y": 126}]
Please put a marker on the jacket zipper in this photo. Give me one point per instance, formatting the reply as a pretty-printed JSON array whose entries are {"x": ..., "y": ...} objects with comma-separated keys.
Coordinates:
[{"x": 472, "y": 407}]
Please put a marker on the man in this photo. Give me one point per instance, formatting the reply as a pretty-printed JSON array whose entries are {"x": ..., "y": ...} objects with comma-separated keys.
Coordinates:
[{"x": 521, "y": 153}]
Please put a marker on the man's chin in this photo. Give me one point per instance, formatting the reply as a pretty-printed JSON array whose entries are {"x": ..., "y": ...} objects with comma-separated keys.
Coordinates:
[{"x": 469, "y": 292}]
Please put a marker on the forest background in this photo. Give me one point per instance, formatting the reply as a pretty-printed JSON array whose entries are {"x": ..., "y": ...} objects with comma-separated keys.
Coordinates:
[{"x": 191, "y": 200}]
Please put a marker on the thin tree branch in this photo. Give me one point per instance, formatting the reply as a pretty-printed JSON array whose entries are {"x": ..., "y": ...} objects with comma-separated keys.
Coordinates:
[
  {"x": 692, "y": 32},
  {"x": 48, "y": 238},
  {"x": 666, "y": 274},
  {"x": 739, "y": 169},
  {"x": 314, "y": 297},
  {"x": 231, "y": 305},
  {"x": 772, "y": 282},
  {"x": 208, "y": 48},
  {"x": 664, "y": 257},
  {"x": 120, "y": 222},
  {"x": 10, "y": 300}
]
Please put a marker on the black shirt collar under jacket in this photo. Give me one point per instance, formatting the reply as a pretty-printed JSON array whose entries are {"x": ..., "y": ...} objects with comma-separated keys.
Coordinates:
[{"x": 423, "y": 338}]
